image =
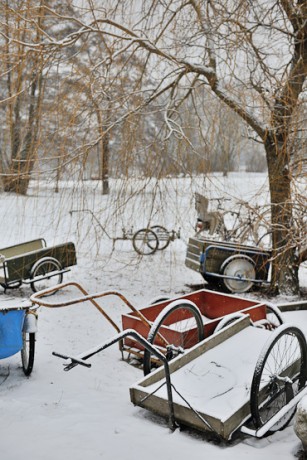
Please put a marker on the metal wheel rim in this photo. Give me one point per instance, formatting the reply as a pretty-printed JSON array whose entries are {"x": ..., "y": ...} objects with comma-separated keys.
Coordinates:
[{"x": 240, "y": 267}]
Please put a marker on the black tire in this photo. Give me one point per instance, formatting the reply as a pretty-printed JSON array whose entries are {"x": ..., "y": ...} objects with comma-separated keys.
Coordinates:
[
  {"x": 42, "y": 267},
  {"x": 145, "y": 242},
  {"x": 163, "y": 236},
  {"x": 238, "y": 266},
  {"x": 228, "y": 319},
  {"x": 194, "y": 331},
  {"x": 14, "y": 285},
  {"x": 27, "y": 352},
  {"x": 265, "y": 240},
  {"x": 280, "y": 373},
  {"x": 158, "y": 300}
]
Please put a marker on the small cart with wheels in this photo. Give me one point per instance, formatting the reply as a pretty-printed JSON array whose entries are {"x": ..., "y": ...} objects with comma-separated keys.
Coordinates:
[
  {"x": 173, "y": 325},
  {"x": 145, "y": 241},
  {"x": 232, "y": 267},
  {"x": 242, "y": 378},
  {"x": 239, "y": 377},
  {"x": 34, "y": 263},
  {"x": 18, "y": 327}
]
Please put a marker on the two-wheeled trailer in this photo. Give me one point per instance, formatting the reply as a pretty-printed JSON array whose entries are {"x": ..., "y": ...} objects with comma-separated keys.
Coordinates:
[
  {"x": 18, "y": 327},
  {"x": 230, "y": 266},
  {"x": 242, "y": 378},
  {"x": 171, "y": 324},
  {"x": 35, "y": 263},
  {"x": 145, "y": 241},
  {"x": 220, "y": 372}
]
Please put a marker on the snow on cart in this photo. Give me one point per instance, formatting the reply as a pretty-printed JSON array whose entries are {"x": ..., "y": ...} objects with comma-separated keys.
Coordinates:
[
  {"x": 241, "y": 378},
  {"x": 212, "y": 361}
]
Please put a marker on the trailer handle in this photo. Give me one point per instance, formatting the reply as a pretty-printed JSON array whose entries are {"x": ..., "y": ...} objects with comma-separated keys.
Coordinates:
[{"x": 80, "y": 359}]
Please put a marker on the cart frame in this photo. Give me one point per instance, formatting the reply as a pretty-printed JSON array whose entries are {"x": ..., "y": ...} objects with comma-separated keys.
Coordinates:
[
  {"x": 33, "y": 261},
  {"x": 228, "y": 265},
  {"x": 144, "y": 392},
  {"x": 204, "y": 309}
]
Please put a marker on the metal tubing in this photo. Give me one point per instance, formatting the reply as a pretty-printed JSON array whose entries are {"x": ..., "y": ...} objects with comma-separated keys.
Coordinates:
[
  {"x": 139, "y": 338},
  {"x": 36, "y": 298},
  {"x": 260, "y": 432},
  {"x": 245, "y": 252}
]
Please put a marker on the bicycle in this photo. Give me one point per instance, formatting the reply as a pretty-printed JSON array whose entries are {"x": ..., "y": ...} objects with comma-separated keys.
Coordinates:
[{"x": 247, "y": 225}]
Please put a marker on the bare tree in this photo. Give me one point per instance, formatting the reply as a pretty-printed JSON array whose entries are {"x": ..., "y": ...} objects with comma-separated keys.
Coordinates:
[{"x": 23, "y": 88}]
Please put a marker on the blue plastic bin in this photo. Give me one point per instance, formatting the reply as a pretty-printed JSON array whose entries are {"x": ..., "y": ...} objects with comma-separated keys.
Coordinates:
[{"x": 11, "y": 323}]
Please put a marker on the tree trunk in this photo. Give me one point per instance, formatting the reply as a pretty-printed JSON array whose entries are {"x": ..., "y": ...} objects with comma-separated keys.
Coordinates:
[
  {"x": 284, "y": 259},
  {"x": 105, "y": 165},
  {"x": 104, "y": 150}
]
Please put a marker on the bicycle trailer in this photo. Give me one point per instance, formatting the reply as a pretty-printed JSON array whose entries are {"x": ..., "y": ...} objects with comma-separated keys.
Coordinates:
[
  {"x": 35, "y": 263},
  {"x": 230, "y": 266}
]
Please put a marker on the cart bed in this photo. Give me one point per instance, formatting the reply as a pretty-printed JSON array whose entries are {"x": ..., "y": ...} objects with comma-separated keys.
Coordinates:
[
  {"x": 213, "y": 307},
  {"x": 214, "y": 377},
  {"x": 219, "y": 251},
  {"x": 12, "y": 314},
  {"x": 18, "y": 263}
]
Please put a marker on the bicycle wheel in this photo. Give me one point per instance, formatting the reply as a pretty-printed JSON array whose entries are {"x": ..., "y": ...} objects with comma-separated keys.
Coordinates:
[
  {"x": 227, "y": 320},
  {"x": 280, "y": 374},
  {"x": 27, "y": 352},
  {"x": 179, "y": 326},
  {"x": 163, "y": 236},
  {"x": 241, "y": 271},
  {"x": 265, "y": 240},
  {"x": 45, "y": 266},
  {"x": 263, "y": 230},
  {"x": 145, "y": 242}
]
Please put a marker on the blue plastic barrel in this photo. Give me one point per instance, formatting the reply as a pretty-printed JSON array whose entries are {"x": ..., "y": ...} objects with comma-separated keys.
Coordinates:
[{"x": 11, "y": 323}]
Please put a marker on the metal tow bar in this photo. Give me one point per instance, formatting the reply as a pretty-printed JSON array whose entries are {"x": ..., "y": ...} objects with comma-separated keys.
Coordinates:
[{"x": 81, "y": 359}]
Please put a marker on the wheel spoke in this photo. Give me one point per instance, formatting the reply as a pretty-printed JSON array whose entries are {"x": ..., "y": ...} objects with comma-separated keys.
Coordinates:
[
  {"x": 180, "y": 326},
  {"x": 280, "y": 374}
]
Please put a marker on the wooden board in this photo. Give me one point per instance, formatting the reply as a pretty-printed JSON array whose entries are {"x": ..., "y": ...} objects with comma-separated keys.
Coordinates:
[
  {"x": 214, "y": 378},
  {"x": 213, "y": 307},
  {"x": 19, "y": 267}
]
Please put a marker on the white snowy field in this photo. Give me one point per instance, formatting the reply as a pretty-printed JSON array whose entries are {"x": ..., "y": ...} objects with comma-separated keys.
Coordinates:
[{"x": 87, "y": 413}]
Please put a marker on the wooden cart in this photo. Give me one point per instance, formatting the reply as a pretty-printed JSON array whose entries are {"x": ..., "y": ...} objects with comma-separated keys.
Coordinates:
[
  {"x": 34, "y": 263},
  {"x": 233, "y": 375},
  {"x": 231, "y": 266},
  {"x": 242, "y": 378},
  {"x": 172, "y": 325}
]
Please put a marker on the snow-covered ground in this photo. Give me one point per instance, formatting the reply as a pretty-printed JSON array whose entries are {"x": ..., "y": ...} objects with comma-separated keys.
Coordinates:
[{"x": 87, "y": 413}]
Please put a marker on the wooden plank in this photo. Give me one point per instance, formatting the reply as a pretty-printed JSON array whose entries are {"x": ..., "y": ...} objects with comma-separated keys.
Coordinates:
[
  {"x": 19, "y": 267},
  {"x": 293, "y": 306},
  {"x": 23, "y": 248},
  {"x": 224, "y": 410}
]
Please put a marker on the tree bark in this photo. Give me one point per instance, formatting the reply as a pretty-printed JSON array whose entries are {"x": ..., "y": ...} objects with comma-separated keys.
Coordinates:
[{"x": 285, "y": 262}]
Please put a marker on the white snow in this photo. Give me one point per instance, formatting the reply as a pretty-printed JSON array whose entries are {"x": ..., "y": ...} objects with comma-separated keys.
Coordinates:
[{"x": 87, "y": 413}]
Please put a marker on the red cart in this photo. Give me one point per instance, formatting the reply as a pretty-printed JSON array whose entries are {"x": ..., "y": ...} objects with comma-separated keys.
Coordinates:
[
  {"x": 172, "y": 325},
  {"x": 265, "y": 394}
]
